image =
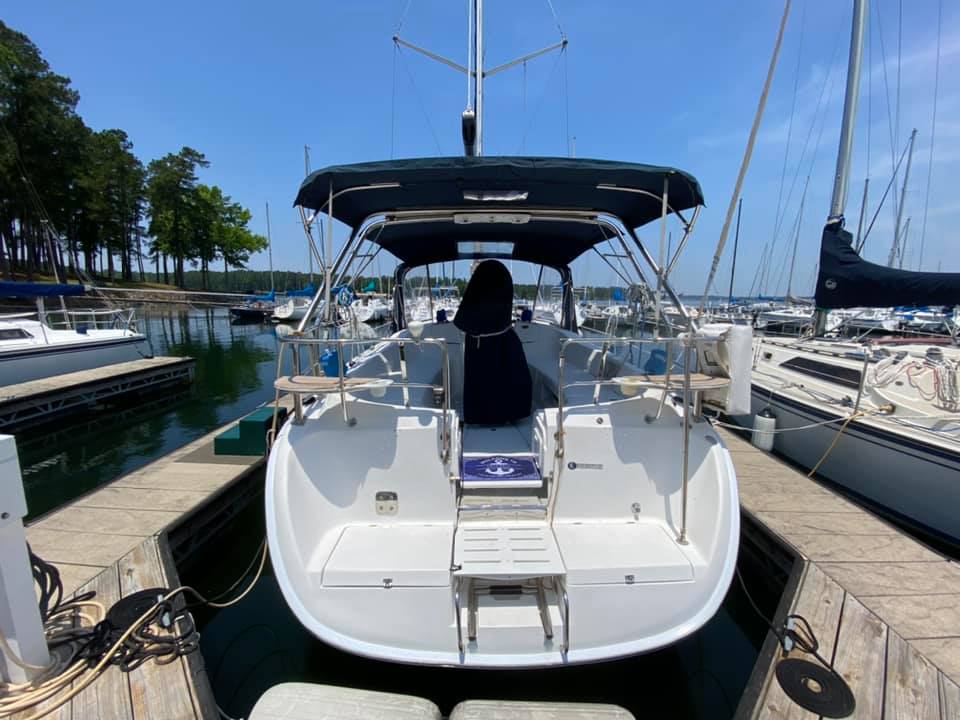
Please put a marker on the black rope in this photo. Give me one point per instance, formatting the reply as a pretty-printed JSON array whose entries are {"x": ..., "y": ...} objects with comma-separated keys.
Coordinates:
[{"x": 806, "y": 642}]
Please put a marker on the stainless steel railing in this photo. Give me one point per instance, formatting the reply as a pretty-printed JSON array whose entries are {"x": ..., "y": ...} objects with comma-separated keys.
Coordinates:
[
  {"x": 295, "y": 342},
  {"x": 687, "y": 344}
]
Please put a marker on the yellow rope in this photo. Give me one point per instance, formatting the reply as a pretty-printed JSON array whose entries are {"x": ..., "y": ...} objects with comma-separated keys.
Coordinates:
[{"x": 813, "y": 471}]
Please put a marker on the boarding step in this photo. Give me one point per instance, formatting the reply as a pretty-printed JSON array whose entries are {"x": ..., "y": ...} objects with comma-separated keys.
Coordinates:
[
  {"x": 508, "y": 562},
  {"x": 249, "y": 436},
  {"x": 516, "y": 470}
]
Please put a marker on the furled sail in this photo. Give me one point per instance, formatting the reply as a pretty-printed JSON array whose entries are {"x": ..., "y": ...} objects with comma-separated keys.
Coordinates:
[{"x": 847, "y": 280}]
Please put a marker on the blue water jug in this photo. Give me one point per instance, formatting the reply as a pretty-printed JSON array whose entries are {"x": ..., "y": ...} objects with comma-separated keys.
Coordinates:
[{"x": 330, "y": 362}]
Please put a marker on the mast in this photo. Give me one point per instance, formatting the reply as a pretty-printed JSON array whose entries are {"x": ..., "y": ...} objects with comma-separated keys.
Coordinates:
[
  {"x": 269, "y": 247},
  {"x": 841, "y": 177},
  {"x": 478, "y": 70},
  {"x": 306, "y": 172},
  {"x": 796, "y": 242},
  {"x": 903, "y": 197},
  {"x": 736, "y": 242}
]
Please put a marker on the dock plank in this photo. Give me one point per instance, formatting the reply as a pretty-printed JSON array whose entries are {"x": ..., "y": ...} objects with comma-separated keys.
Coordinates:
[
  {"x": 135, "y": 498},
  {"x": 913, "y": 688},
  {"x": 918, "y": 616},
  {"x": 109, "y": 695},
  {"x": 860, "y": 657},
  {"x": 201, "y": 690},
  {"x": 820, "y": 600},
  {"x": 912, "y": 590},
  {"x": 156, "y": 691},
  {"x": 949, "y": 699},
  {"x": 864, "y": 579}
]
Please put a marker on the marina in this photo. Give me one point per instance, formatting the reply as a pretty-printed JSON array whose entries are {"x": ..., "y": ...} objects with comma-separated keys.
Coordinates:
[
  {"x": 881, "y": 604},
  {"x": 465, "y": 435}
]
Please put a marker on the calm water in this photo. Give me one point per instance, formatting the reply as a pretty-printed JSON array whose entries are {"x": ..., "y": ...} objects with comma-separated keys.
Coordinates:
[{"x": 234, "y": 374}]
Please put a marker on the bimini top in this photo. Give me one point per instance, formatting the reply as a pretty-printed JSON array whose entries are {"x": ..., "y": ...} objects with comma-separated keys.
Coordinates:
[{"x": 518, "y": 182}]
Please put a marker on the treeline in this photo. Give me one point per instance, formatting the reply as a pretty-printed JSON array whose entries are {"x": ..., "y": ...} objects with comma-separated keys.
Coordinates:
[
  {"x": 259, "y": 281},
  {"x": 74, "y": 200}
]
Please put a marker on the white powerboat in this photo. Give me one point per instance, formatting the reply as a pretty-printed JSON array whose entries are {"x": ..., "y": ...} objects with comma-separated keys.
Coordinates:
[
  {"x": 291, "y": 310},
  {"x": 34, "y": 346},
  {"x": 493, "y": 493}
]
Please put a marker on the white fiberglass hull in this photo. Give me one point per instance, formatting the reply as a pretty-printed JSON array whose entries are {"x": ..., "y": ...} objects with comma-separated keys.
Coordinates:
[
  {"x": 915, "y": 480},
  {"x": 381, "y": 578},
  {"x": 290, "y": 311},
  {"x": 19, "y": 365}
]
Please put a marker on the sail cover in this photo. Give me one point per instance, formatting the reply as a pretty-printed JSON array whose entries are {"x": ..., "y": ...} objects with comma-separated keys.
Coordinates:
[
  {"x": 13, "y": 289},
  {"x": 847, "y": 280}
]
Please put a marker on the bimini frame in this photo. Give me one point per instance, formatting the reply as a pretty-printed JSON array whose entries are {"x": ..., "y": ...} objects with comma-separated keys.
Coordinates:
[{"x": 336, "y": 269}]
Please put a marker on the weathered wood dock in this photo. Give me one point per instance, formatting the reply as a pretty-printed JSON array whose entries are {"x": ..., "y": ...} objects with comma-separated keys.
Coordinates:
[
  {"x": 41, "y": 400},
  {"x": 885, "y": 608},
  {"x": 114, "y": 540}
]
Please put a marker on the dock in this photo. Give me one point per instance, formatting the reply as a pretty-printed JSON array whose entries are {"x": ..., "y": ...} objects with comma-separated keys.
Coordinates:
[
  {"x": 884, "y": 607},
  {"x": 38, "y": 401}
]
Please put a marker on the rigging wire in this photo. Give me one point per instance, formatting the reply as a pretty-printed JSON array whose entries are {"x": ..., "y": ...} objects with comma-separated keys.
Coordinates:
[
  {"x": 748, "y": 153},
  {"x": 556, "y": 18},
  {"x": 423, "y": 107},
  {"x": 886, "y": 86},
  {"x": 777, "y": 216},
  {"x": 538, "y": 104},
  {"x": 933, "y": 131},
  {"x": 826, "y": 90}
]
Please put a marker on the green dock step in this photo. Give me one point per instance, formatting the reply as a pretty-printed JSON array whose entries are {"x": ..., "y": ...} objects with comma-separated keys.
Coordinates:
[{"x": 249, "y": 436}]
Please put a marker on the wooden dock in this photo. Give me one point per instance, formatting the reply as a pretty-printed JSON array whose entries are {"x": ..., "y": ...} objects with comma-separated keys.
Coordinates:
[
  {"x": 41, "y": 400},
  {"x": 113, "y": 540},
  {"x": 885, "y": 608}
]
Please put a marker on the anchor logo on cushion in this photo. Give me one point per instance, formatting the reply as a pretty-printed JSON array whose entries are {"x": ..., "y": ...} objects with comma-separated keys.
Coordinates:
[{"x": 499, "y": 467}]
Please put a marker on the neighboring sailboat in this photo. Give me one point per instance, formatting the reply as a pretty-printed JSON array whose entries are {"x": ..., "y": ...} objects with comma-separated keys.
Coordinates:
[
  {"x": 32, "y": 347},
  {"x": 880, "y": 418}
]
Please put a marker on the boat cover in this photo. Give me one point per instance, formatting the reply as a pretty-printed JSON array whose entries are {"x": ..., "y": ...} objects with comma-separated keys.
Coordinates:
[
  {"x": 515, "y": 182},
  {"x": 847, "y": 280},
  {"x": 308, "y": 291},
  {"x": 11, "y": 289},
  {"x": 497, "y": 388}
]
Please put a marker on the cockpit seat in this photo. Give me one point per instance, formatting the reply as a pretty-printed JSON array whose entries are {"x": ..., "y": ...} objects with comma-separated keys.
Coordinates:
[{"x": 496, "y": 380}]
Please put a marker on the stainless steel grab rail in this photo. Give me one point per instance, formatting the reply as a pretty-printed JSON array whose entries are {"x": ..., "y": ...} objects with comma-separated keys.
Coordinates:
[
  {"x": 295, "y": 341},
  {"x": 688, "y": 344}
]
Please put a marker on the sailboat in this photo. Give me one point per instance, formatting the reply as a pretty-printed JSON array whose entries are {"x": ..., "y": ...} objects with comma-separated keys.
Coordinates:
[
  {"x": 881, "y": 417},
  {"x": 492, "y": 492},
  {"x": 33, "y": 346}
]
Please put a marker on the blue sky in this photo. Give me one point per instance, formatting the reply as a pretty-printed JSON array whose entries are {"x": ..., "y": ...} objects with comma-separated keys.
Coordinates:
[{"x": 249, "y": 84}]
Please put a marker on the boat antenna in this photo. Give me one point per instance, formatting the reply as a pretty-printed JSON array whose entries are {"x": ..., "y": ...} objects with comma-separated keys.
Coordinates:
[
  {"x": 845, "y": 151},
  {"x": 746, "y": 157}
]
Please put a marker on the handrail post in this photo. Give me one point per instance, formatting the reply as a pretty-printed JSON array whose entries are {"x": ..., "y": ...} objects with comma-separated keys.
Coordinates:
[
  {"x": 558, "y": 450},
  {"x": 668, "y": 350},
  {"x": 685, "y": 417},
  {"x": 297, "y": 400},
  {"x": 340, "y": 381}
]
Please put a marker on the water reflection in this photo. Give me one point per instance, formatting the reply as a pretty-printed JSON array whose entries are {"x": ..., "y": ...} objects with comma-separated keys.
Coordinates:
[{"x": 235, "y": 368}]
